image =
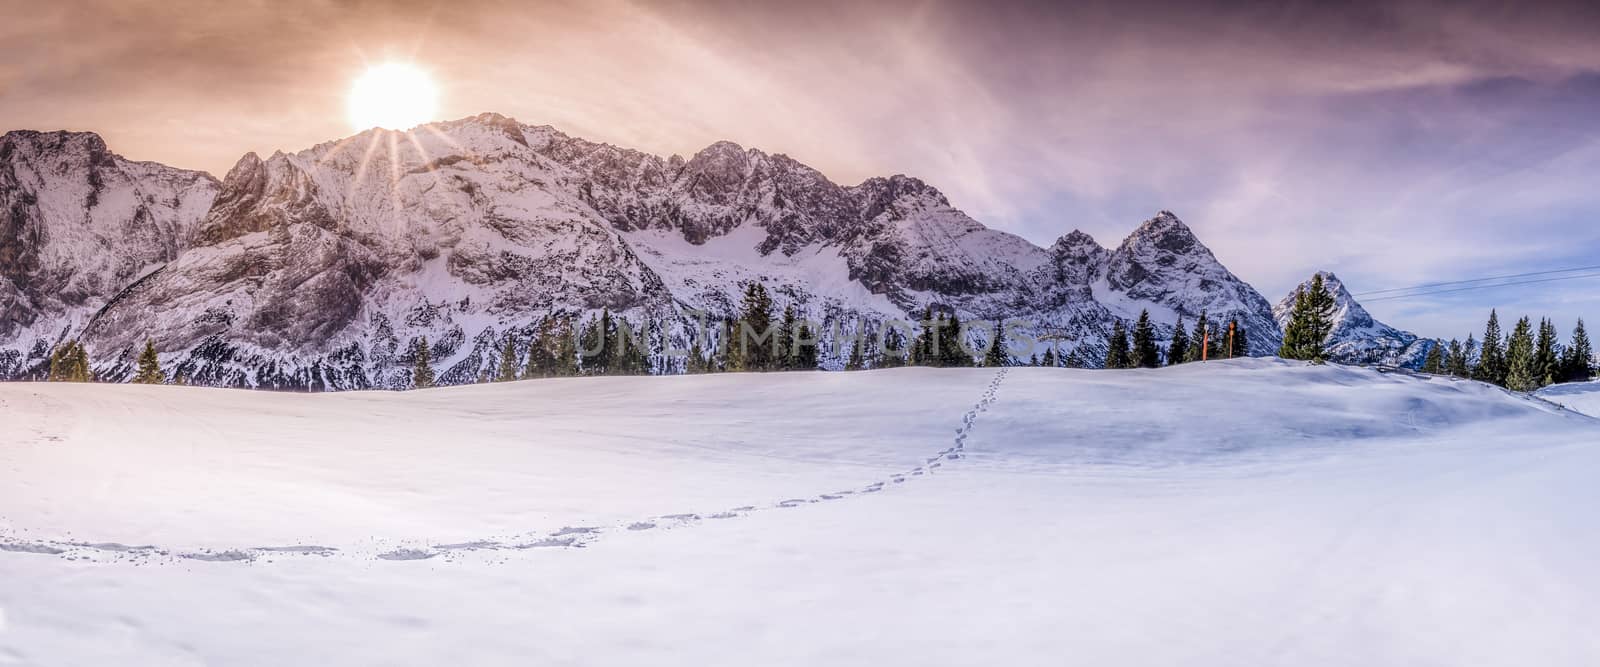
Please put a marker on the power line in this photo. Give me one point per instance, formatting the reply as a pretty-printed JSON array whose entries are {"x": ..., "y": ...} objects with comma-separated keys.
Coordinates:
[
  {"x": 1476, "y": 280},
  {"x": 1479, "y": 287}
]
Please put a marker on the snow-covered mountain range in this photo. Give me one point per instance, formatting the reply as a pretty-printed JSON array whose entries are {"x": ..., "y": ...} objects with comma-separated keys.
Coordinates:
[
  {"x": 78, "y": 224},
  {"x": 318, "y": 268},
  {"x": 1356, "y": 337}
]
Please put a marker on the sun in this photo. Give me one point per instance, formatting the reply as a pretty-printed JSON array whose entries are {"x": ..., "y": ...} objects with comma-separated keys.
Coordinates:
[{"x": 393, "y": 96}]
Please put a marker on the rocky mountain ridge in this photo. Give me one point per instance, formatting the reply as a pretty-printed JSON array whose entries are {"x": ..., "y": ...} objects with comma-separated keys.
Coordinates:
[{"x": 316, "y": 269}]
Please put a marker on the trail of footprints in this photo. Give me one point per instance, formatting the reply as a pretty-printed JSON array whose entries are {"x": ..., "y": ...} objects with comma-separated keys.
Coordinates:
[{"x": 570, "y": 537}]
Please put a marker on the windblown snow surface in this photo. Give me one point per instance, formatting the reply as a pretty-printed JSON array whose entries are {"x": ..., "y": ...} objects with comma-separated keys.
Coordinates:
[
  {"x": 1581, "y": 396},
  {"x": 1250, "y": 512}
]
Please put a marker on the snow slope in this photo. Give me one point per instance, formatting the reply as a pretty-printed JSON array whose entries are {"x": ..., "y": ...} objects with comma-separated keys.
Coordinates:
[
  {"x": 1581, "y": 396},
  {"x": 1265, "y": 513}
]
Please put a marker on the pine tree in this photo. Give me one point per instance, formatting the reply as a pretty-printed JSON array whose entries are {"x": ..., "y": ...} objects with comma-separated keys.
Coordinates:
[
  {"x": 1521, "y": 358},
  {"x": 1197, "y": 340},
  {"x": 550, "y": 341},
  {"x": 895, "y": 353},
  {"x": 1117, "y": 347},
  {"x": 591, "y": 344},
  {"x": 805, "y": 348},
  {"x": 858, "y": 355},
  {"x": 787, "y": 341},
  {"x": 1456, "y": 360},
  {"x": 696, "y": 361},
  {"x": 1546, "y": 359},
  {"x": 751, "y": 346},
  {"x": 631, "y": 355},
  {"x": 1309, "y": 323},
  {"x": 1075, "y": 359},
  {"x": 922, "y": 352},
  {"x": 1033, "y": 360},
  {"x": 422, "y": 365},
  {"x": 594, "y": 346},
  {"x": 564, "y": 362},
  {"x": 1049, "y": 360},
  {"x": 508, "y": 360},
  {"x": 1578, "y": 357},
  {"x": 1491, "y": 366},
  {"x": 1179, "y": 349},
  {"x": 1434, "y": 363},
  {"x": 149, "y": 366},
  {"x": 952, "y": 350},
  {"x": 537, "y": 343},
  {"x": 997, "y": 355},
  {"x": 70, "y": 363},
  {"x": 722, "y": 356},
  {"x": 1144, "y": 353}
]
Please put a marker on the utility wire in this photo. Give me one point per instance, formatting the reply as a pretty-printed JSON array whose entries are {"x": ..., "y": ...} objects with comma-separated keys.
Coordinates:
[
  {"x": 1479, "y": 287},
  {"x": 1476, "y": 280}
]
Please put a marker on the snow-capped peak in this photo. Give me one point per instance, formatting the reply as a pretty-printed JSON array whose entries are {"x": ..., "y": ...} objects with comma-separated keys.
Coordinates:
[
  {"x": 1357, "y": 337},
  {"x": 1164, "y": 264}
]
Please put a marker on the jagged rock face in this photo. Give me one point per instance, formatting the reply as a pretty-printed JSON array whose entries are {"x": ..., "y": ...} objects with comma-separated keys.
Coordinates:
[
  {"x": 320, "y": 268},
  {"x": 79, "y": 223},
  {"x": 1358, "y": 338},
  {"x": 717, "y": 190}
]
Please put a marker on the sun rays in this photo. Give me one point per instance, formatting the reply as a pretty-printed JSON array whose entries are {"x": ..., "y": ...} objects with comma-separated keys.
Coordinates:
[{"x": 390, "y": 101}]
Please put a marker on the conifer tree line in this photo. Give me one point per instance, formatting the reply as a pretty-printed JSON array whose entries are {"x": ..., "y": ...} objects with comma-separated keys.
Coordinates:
[
  {"x": 761, "y": 338},
  {"x": 1529, "y": 357},
  {"x": 70, "y": 363},
  {"x": 1139, "y": 348}
]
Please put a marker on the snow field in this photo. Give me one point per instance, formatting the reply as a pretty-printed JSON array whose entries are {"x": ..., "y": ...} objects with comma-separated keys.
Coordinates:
[{"x": 1243, "y": 512}]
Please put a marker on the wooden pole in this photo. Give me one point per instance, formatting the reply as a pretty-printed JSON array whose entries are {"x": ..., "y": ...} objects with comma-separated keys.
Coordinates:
[{"x": 1230, "y": 338}]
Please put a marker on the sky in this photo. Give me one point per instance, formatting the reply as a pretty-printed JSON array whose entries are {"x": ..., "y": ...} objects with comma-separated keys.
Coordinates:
[{"x": 1393, "y": 143}]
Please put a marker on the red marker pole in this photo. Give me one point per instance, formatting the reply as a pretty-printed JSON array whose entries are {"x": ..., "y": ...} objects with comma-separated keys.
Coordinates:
[
  {"x": 1205, "y": 345},
  {"x": 1230, "y": 339}
]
